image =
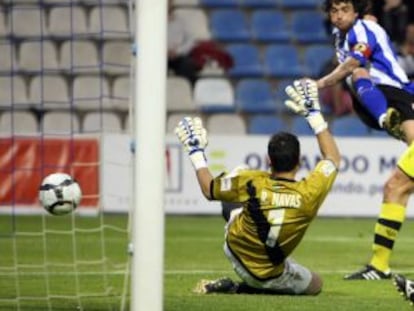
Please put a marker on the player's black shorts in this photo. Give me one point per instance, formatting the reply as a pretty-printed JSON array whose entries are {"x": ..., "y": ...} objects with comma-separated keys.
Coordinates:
[{"x": 396, "y": 98}]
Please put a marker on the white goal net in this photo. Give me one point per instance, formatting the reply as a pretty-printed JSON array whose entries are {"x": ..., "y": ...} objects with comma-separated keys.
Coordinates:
[{"x": 65, "y": 72}]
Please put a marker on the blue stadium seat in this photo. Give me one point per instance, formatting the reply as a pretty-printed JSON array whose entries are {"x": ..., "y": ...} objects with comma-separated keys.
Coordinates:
[
  {"x": 316, "y": 57},
  {"x": 300, "y": 4},
  {"x": 220, "y": 3},
  {"x": 349, "y": 126},
  {"x": 254, "y": 4},
  {"x": 308, "y": 27},
  {"x": 378, "y": 134},
  {"x": 280, "y": 94},
  {"x": 300, "y": 127},
  {"x": 266, "y": 124},
  {"x": 255, "y": 96},
  {"x": 246, "y": 60},
  {"x": 282, "y": 61},
  {"x": 229, "y": 25},
  {"x": 270, "y": 26}
]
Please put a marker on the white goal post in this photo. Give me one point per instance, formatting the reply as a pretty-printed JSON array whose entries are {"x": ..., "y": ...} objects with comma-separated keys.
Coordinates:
[{"x": 150, "y": 110}]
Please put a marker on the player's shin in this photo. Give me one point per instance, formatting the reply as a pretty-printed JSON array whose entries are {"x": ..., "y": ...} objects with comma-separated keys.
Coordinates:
[{"x": 387, "y": 227}]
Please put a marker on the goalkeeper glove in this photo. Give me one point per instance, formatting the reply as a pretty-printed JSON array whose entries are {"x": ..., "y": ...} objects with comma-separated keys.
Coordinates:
[
  {"x": 304, "y": 100},
  {"x": 193, "y": 136}
]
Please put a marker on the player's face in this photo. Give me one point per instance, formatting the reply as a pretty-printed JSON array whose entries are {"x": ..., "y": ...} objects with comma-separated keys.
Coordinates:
[{"x": 342, "y": 15}]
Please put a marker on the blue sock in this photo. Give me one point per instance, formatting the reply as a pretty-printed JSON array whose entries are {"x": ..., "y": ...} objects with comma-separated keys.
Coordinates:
[{"x": 371, "y": 97}]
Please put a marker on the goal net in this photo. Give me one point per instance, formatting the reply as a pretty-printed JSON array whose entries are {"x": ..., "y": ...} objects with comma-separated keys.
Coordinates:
[{"x": 65, "y": 71}]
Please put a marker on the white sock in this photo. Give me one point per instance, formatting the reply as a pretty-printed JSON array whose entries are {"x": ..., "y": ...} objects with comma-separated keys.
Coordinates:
[{"x": 381, "y": 120}]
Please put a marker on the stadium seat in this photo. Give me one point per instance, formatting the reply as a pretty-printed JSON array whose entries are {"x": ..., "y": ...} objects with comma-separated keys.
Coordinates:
[
  {"x": 266, "y": 124},
  {"x": 220, "y": 3},
  {"x": 121, "y": 93},
  {"x": 13, "y": 92},
  {"x": 282, "y": 61},
  {"x": 66, "y": 21},
  {"x": 214, "y": 95},
  {"x": 59, "y": 123},
  {"x": 49, "y": 91},
  {"x": 219, "y": 124},
  {"x": 255, "y": 96},
  {"x": 229, "y": 25},
  {"x": 38, "y": 56},
  {"x": 4, "y": 30},
  {"x": 179, "y": 95},
  {"x": 109, "y": 21},
  {"x": 348, "y": 126},
  {"x": 186, "y": 3},
  {"x": 316, "y": 57},
  {"x": 280, "y": 94},
  {"x": 117, "y": 56},
  {"x": 378, "y": 134},
  {"x": 196, "y": 20},
  {"x": 308, "y": 27},
  {"x": 18, "y": 122},
  {"x": 79, "y": 56},
  {"x": 27, "y": 21},
  {"x": 300, "y": 127},
  {"x": 300, "y": 4},
  {"x": 58, "y": 2},
  {"x": 106, "y": 121},
  {"x": 8, "y": 60},
  {"x": 91, "y": 92},
  {"x": 270, "y": 26},
  {"x": 246, "y": 60},
  {"x": 256, "y": 4}
]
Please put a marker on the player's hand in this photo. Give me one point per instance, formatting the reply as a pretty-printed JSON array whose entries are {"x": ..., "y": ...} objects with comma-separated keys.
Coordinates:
[
  {"x": 304, "y": 100},
  {"x": 305, "y": 97},
  {"x": 193, "y": 136}
]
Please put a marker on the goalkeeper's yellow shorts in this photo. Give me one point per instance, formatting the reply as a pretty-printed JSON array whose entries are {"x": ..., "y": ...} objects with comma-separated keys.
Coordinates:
[{"x": 406, "y": 161}]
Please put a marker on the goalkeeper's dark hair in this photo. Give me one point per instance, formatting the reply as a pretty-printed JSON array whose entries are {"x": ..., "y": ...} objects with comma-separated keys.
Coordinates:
[
  {"x": 362, "y": 7},
  {"x": 283, "y": 150}
]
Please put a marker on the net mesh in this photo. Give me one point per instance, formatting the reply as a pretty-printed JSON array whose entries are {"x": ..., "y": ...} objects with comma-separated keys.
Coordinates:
[{"x": 64, "y": 87}]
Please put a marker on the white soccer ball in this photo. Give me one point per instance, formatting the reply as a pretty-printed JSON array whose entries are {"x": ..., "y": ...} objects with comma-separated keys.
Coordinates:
[{"x": 59, "y": 194}]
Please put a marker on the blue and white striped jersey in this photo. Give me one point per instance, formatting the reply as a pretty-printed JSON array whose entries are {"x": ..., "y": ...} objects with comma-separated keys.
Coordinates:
[{"x": 368, "y": 42}]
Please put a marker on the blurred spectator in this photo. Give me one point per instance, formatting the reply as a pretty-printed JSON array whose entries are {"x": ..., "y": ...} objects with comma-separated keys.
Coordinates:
[
  {"x": 180, "y": 43},
  {"x": 406, "y": 56},
  {"x": 186, "y": 54},
  {"x": 394, "y": 19}
]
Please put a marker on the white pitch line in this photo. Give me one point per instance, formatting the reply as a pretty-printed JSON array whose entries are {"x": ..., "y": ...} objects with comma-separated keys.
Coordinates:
[
  {"x": 167, "y": 272},
  {"x": 336, "y": 239}
]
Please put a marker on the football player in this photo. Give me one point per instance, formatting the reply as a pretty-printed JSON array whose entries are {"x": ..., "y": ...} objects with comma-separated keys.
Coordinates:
[
  {"x": 383, "y": 99},
  {"x": 276, "y": 209}
]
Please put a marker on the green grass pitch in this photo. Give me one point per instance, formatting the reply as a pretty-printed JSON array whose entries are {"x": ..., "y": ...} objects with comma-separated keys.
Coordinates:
[{"x": 193, "y": 250}]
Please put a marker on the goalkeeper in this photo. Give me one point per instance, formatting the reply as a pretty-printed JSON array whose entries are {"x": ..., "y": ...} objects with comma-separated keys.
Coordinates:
[{"x": 276, "y": 209}]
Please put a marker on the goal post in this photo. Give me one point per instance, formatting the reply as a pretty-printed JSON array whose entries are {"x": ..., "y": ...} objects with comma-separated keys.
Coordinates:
[{"x": 150, "y": 115}]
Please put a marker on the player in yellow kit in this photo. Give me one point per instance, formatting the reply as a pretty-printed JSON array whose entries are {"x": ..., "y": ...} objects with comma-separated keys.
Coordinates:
[{"x": 276, "y": 209}]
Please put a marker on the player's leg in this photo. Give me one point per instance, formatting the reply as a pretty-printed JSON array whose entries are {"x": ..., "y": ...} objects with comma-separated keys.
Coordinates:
[
  {"x": 370, "y": 96},
  {"x": 397, "y": 190}
]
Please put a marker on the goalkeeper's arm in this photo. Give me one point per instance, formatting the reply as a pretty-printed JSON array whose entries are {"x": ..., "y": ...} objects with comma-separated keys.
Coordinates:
[
  {"x": 193, "y": 136},
  {"x": 205, "y": 178},
  {"x": 304, "y": 100}
]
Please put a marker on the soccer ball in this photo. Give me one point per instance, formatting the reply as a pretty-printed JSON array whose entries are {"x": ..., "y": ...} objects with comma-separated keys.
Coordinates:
[{"x": 59, "y": 194}]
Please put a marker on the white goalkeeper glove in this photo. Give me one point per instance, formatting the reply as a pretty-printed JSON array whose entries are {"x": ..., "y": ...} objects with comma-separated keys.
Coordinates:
[
  {"x": 304, "y": 100},
  {"x": 193, "y": 136}
]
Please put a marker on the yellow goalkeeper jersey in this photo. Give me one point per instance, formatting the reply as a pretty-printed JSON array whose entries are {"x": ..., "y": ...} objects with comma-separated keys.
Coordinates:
[{"x": 275, "y": 215}]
